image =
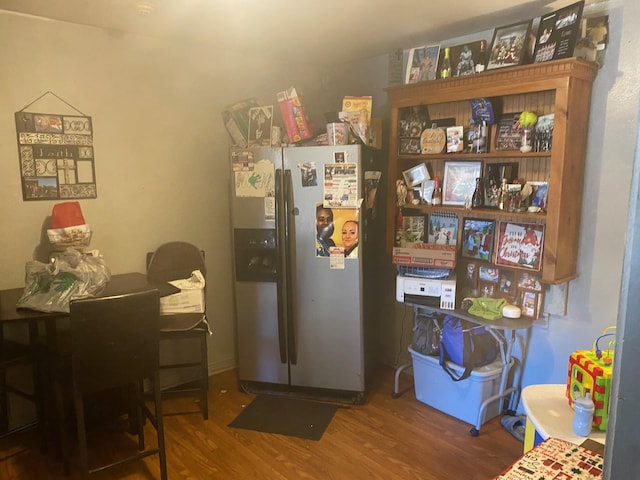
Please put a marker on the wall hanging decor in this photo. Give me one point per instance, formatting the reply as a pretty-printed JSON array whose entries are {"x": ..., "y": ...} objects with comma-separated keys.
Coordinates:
[{"x": 56, "y": 154}]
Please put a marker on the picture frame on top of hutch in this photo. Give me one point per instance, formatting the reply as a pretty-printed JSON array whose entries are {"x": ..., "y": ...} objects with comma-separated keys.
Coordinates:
[
  {"x": 467, "y": 58},
  {"x": 508, "y": 47},
  {"x": 557, "y": 33},
  {"x": 422, "y": 64}
]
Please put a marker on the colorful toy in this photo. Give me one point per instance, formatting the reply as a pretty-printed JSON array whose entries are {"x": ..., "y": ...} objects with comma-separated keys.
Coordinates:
[{"x": 590, "y": 371}]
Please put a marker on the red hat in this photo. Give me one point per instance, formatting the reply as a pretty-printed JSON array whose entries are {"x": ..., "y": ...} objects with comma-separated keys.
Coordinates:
[{"x": 67, "y": 214}]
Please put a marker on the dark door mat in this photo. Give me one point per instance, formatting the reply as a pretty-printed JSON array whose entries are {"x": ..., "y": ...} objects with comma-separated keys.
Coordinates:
[{"x": 286, "y": 416}]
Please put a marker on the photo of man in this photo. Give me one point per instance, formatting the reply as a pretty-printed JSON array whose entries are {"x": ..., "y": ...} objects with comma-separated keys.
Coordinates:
[{"x": 324, "y": 230}]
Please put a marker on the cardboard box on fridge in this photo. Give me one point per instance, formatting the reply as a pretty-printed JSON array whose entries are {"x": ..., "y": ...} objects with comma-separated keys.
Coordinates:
[
  {"x": 236, "y": 119},
  {"x": 294, "y": 117},
  {"x": 190, "y": 298},
  {"x": 426, "y": 255}
]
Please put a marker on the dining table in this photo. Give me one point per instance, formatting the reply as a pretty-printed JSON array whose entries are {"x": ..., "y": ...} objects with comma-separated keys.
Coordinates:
[
  {"x": 117, "y": 284},
  {"x": 46, "y": 325}
]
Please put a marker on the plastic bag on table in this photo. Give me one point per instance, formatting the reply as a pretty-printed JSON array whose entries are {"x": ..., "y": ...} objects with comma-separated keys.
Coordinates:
[{"x": 49, "y": 287}]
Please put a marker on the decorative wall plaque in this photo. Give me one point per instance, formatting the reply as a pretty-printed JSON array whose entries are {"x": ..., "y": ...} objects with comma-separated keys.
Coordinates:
[{"x": 56, "y": 155}]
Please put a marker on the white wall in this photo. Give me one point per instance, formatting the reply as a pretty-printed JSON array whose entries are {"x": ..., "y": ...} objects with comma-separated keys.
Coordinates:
[{"x": 160, "y": 145}]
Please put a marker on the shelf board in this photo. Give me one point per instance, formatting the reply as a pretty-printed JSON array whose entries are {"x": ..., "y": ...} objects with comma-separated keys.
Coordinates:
[{"x": 473, "y": 156}]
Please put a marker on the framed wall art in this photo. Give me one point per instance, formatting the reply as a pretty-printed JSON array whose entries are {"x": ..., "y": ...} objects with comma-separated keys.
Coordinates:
[
  {"x": 520, "y": 245},
  {"x": 477, "y": 238},
  {"x": 459, "y": 181},
  {"x": 508, "y": 45},
  {"x": 56, "y": 154}
]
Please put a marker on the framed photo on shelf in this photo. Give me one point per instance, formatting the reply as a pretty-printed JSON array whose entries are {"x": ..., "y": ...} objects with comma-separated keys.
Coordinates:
[
  {"x": 544, "y": 132},
  {"x": 477, "y": 238},
  {"x": 469, "y": 274},
  {"x": 557, "y": 33},
  {"x": 508, "y": 45},
  {"x": 520, "y": 245},
  {"x": 529, "y": 281},
  {"x": 539, "y": 195},
  {"x": 507, "y": 136},
  {"x": 530, "y": 303},
  {"x": 455, "y": 139},
  {"x": 413, "y": 229},
  {"x": 416, "y": 175},
  {"x": 507, "y": 283},
  {"x": 409, "y": 146},
  {"x": 488, "y": 273},
  {"x": 413, "y": 121},
  {"x": 422, "y": 64},
  {"x": 459, "y": 181},
  {"x": 493, "y": 175},
  {"x": 486, "y": 289}
]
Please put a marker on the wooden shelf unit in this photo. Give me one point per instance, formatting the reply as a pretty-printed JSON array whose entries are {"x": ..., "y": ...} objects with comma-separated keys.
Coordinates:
[{"x": 561, "y": 87}]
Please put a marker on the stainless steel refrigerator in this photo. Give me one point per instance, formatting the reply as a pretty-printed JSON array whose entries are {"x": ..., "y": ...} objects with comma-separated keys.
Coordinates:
[{"x": 299, "y": 312}]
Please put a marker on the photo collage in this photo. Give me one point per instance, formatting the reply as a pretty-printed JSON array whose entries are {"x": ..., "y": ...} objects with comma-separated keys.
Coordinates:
[{"x": 481, "y": 279}]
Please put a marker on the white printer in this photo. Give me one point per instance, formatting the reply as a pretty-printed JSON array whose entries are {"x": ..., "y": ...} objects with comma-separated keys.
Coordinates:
[{"x": 433, "y": 292}]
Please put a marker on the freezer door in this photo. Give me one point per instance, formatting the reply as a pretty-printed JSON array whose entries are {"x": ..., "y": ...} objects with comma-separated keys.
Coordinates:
[
  {"x": 326, "y": 327},
  {"x": 257, "y": 334},
  {"x": 261, "y": 344},
  {"x": 253, "y": 186}
]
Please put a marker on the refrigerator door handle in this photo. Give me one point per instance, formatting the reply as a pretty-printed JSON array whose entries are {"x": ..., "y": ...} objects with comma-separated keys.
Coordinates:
[
  {"x": 281, "y": 246},
  {"x": 290, "y": 260}
]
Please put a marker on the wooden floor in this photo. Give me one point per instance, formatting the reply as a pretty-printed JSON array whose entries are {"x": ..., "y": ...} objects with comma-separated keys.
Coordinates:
[{"x": 386, "y": 439}]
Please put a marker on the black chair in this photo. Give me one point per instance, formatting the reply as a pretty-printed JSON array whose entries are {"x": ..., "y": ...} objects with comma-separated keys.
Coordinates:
[
  {"x": 114, "y": 344},
  {"x": 175, "y": 261},
  {"x": 15, "y": 355}
]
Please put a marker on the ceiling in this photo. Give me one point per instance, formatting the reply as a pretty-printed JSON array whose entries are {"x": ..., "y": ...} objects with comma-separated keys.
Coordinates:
[{"x": 327, "y": 31}]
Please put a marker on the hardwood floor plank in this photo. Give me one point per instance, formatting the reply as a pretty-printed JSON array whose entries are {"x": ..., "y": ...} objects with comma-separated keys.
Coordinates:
[{"x": 386, "y": 439}]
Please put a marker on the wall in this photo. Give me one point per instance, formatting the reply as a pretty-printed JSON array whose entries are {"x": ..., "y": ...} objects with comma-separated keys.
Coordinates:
[{"x": 160, "y": 145}]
